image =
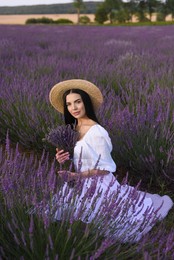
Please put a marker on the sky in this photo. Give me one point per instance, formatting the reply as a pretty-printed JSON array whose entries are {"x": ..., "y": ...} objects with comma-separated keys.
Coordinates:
[{"x": 36, "y": 2}]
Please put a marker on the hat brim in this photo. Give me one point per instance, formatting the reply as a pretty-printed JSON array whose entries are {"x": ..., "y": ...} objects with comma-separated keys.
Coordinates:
[{"x": 56, "y": 93}]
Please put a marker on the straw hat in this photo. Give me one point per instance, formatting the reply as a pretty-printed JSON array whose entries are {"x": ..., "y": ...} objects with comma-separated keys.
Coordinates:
[{"x": 56, "y": 93}]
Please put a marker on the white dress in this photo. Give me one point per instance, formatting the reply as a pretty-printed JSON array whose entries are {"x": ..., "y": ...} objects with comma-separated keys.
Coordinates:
[{"x": 126, "y": 213}]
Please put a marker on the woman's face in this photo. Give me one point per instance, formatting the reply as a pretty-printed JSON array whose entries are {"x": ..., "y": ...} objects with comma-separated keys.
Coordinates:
[{"x": 75, "y": 105}]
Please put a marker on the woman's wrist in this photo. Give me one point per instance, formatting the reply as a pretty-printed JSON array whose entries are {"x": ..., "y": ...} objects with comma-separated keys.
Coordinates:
[
  {"x": 93, "y": 172},
  {"x": 87, "y": 174}
]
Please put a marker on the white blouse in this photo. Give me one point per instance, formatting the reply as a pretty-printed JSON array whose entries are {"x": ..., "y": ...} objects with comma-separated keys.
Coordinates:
[{"x": 95, "y": 149}]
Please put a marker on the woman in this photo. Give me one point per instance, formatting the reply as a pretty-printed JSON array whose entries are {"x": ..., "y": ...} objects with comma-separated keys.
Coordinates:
[{"x": 78, "y": 100}]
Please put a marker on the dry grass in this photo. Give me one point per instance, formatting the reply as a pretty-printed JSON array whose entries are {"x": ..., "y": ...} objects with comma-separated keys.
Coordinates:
[{"x": 21, "y": 19}]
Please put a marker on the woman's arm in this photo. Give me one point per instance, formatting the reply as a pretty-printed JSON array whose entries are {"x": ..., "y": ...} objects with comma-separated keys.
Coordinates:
[
  {"x": 93, "y": 172},
  {"x": 86, "y": 174},
  {"x": 62, "y": 156}
]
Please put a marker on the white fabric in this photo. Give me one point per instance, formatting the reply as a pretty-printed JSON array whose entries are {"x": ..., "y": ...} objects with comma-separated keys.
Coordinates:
[
  {"x": 95, "y": 143},
  {"x": 95, "y": 148}
]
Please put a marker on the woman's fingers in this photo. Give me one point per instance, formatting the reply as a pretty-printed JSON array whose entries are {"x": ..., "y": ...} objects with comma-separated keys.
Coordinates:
[{"x": 62, "y": 156}]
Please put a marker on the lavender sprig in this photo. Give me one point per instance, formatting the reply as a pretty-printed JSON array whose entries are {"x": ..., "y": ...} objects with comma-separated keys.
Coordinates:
[{"x": 63, "y": 137}]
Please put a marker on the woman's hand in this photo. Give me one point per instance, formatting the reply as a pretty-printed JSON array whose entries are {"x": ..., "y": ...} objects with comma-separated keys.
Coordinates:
[
  {"x": 67, "y": 175},
  {"x": 61, "y": 156}
]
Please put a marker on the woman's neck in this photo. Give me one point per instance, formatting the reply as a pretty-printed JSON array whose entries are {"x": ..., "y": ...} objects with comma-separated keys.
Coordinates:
[
  {"x": 85, "y": 122},
  {"x": 83, "y": 125}
]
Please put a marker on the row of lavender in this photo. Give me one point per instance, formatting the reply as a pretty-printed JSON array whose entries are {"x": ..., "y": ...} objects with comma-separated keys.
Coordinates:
[
  {"x": 132, "y": 66},
  {"x": 27, "y": 231}
]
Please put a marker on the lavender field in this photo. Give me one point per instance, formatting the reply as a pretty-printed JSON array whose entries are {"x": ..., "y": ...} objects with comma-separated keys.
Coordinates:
[{"x": 134, "y": 68}]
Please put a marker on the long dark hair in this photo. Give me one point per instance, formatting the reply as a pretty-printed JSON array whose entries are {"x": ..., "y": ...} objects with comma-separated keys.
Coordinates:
[{"x": 69, "y": 119}]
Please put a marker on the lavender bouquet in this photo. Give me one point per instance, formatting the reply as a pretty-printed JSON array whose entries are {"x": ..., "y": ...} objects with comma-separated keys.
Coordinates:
[{"x": 63, "y": 137}]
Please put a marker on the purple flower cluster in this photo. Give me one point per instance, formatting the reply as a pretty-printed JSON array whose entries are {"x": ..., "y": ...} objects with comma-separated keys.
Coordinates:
[
  {"x": 33, "y": 199},
  {"x": 133, "y": 67},
  {"x": 134, "y": 72},
  {"x": 63, "y": 137}
]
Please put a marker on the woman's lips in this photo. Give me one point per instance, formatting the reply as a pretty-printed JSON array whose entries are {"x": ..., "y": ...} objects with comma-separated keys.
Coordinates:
[{"x": 76, "y": 113}]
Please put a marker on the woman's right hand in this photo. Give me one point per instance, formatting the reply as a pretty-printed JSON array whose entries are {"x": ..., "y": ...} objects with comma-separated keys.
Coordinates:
[{"x": 61, "y": 156}]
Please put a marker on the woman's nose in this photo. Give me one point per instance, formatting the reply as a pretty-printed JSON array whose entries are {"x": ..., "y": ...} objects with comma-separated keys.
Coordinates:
[{"x": 74, "y": 107}]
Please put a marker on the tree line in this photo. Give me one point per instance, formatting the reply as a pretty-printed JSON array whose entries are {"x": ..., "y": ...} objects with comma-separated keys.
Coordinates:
[
  {"x": 120, "y": 12},
  {"x": 116, "y": 11}
]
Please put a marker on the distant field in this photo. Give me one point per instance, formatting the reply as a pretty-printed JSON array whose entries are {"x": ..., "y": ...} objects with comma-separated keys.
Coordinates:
[{"x": 20, "y": 19}]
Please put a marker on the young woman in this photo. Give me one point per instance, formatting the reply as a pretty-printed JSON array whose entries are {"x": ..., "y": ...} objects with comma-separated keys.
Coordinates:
[{"x": 78, "y": 100}]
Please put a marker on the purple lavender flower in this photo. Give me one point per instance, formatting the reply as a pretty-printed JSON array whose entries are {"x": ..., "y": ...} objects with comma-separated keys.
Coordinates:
[{"x": 63, "y": 137}]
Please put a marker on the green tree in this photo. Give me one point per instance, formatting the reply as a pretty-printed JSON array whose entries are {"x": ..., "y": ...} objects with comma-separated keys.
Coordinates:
[
  {"x": 84, "y": 19},
  {"x": 162, "y": 11},
  {"x": 147, "y": 7},
  {"x": 131, "y": 8},
  {"x": 63, "y": 21},
  {"x": 78, "y": 4},
  {"x": 170, "y": 7},
  {"x": 141, "y": 11},
  {"x": 112, "y": 6},
  {"x": 101, "y": 14},
  {"x": 151, "y": 6},
  {"x": 120, "y": 16}
]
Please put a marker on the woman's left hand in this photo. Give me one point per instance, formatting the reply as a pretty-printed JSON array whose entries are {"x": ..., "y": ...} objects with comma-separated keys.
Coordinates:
[{"x": 67, "y": 175}]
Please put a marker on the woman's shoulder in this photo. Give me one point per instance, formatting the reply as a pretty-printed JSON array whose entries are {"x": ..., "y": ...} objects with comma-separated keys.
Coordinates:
[
  {"x": 98, "y": 130},
  {"x": 98, "y": 135},
  {"x": 101, "y": 128}
]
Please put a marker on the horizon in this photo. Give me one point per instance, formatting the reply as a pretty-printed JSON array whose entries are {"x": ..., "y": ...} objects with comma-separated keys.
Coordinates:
[{"x": 8, "y": 3}]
